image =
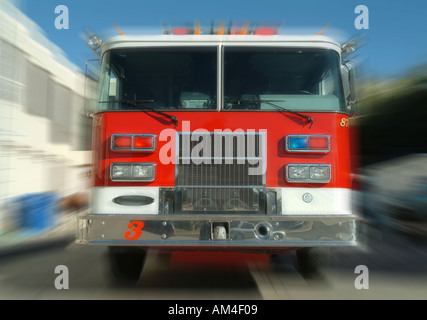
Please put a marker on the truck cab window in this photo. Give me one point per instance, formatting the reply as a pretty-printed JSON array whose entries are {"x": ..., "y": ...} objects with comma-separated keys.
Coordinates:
[
  {"x": 164, "y": 78},
  {"x": 295, "y": 79}
]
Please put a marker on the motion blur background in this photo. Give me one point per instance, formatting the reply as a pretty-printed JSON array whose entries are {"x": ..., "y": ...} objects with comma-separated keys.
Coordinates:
[{"x": 45, "y": 135}]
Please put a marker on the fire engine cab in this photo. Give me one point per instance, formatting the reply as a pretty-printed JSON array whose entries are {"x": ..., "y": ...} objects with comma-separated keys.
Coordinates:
[{"x": 225, "y": 140}]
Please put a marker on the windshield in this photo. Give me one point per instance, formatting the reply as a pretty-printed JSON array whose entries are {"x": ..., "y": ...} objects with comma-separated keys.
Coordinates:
[
  {"x": 295, "y": 79},
  {"x": 253, "y": 78},
  {"x": 161, "y": 78}
]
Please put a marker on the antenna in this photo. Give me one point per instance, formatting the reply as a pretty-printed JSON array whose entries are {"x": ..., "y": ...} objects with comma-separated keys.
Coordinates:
[{"x": 119, "y": 30}]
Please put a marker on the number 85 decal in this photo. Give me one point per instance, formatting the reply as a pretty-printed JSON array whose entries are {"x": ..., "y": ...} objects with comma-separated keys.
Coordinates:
[{"x": 135, "y": 228}]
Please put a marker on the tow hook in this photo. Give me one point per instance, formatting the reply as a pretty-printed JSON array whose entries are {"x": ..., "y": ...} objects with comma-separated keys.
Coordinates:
[{"x": 220, "y": 230}]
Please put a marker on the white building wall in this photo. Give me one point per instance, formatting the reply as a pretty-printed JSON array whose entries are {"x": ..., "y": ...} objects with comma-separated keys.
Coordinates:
[{"x": 41, "y": 108}]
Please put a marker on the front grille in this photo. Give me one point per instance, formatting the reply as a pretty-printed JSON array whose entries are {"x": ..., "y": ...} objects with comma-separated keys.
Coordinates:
[
  {"x": 219, "y": 199},
  {"x": 220, "y": 159},
  {"x": 220, "y": 172}
]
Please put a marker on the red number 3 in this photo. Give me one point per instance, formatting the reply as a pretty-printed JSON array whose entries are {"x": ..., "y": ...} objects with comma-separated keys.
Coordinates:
[{"x": 136, "y": 230}]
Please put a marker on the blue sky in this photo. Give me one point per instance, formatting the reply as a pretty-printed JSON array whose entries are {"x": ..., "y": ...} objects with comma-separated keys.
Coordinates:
[{"x": 397, "y": 39}]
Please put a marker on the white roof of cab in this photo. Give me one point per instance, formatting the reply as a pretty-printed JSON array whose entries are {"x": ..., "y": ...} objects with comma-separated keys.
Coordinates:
[{"x": 302, "y": 41}]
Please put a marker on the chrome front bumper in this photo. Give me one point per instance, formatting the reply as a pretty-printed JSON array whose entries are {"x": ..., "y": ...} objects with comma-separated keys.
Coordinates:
[{"x": 217, "y": 231}]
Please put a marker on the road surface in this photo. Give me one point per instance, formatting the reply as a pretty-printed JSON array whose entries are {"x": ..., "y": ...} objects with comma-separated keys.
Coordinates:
[{"x": 396, "y": 265}]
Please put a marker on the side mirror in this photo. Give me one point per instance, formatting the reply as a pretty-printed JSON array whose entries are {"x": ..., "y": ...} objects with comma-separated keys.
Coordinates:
[
  {"x": 87, "y": 109},
  {"x": 348, "y": 76},
  {"x": 352, "y": 45}
]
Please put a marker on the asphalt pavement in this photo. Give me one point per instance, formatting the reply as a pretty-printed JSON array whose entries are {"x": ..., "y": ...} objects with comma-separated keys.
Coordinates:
[{"x": 396, "y": 269}]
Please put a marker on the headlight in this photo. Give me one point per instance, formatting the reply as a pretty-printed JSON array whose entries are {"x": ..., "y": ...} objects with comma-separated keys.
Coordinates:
[
  {"x": 311, "y": 173},
  {"x": 320, "y": 173},
  {"x": 121, "y": 172},
  {"x": 296, "y": 172},
  {"x": 133, "y": 171}
]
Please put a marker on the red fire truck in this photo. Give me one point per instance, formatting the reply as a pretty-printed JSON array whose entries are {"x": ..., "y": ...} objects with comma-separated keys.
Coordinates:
[{"x": 221, "y": 140}]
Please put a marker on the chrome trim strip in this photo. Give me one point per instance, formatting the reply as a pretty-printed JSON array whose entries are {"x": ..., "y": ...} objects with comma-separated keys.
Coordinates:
[
  {"x": 154, "y": 41},
  {"x": 219, "y": 79},
  {"x": 174, "y": 231},
  {"x": 222, "y": 187}
]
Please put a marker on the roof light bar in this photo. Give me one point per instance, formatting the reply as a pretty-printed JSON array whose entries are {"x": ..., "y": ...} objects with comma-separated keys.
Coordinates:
[
  {"x": 265, "y": 31},
  {"x": 219, "y": 29},
  {"x": 181, "y": 31},
  {"x": 197, "y": 29}
]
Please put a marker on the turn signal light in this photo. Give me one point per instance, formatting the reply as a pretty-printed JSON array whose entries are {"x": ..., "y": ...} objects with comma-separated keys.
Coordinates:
[
  {"x": 308, "y": 143},
  {"x": 133, "y": 142}
]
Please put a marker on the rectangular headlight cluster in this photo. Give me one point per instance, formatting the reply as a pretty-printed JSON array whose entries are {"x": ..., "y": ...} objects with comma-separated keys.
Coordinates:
[
  {"x": 311, "y": 173},
  {"x": 133, "y": 171}
]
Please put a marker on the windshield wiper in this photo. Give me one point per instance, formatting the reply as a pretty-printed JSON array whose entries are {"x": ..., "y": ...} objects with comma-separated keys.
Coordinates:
[
  {"x": 308, "y": 119},
  {"x": 141, "y": 105},
  {"x": 305, "y": 117}
]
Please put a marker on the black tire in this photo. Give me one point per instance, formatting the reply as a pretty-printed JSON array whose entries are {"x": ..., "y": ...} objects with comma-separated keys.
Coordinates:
[
  {"x": 313, "y": 263},
  {"x": 126, "y": 264}
]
